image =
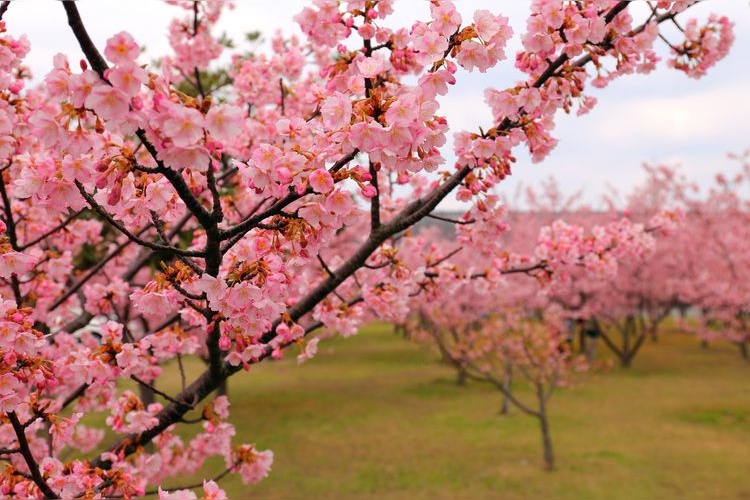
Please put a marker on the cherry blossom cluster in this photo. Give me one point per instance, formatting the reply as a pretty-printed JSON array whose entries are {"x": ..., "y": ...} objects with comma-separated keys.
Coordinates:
[{"x": 704, "y": 46}]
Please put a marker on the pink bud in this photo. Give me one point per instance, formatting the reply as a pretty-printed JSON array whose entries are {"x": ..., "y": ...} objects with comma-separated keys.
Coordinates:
[
  {"x": 114, "y": 195},
  {"x": 136, "y": 103},
  {"x": 283, "y": 175},
  {"x": 369, "y": 191},
  {"x": 16, "y": 86},
  {"x": 10, "y": 358}
]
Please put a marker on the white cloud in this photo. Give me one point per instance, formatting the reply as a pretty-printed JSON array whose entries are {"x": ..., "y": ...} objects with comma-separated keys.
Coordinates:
[{"x": 704, "y": 116}]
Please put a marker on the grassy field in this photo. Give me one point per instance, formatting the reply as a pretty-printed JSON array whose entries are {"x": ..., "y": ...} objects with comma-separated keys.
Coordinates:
[{"x": 375, "y": 417}]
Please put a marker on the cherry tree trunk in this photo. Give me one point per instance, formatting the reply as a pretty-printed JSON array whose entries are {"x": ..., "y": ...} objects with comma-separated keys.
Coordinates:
[
  {"x": 460, "y": 376},
  {"x": 590, "y": 349},
  {"x": 549, "y": 452},
  {"x": 744, "y": 350},
  {"x": 507, "y": 388}
]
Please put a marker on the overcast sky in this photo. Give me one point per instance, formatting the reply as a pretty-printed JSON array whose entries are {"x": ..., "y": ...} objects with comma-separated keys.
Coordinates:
[{"x": 664, "y": 117}]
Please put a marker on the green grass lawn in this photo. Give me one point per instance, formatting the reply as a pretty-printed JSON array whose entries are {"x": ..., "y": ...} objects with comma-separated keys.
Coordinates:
[{"x": 374, "y": 416}]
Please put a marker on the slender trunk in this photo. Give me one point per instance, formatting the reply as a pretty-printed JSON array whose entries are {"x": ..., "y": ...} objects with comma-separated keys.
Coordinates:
[
  {"x": 683, "y": 312},
  {"x": 582, "y": 341},
  {"x": 654, "y": 333},
  {"x": 626, "y": 343},
  {"x": 507, "y": 388},
  {"x": 743, "y": 350},
  {"x": 460, "y": 376},
  {"x": 626, "y": 360},
  {"x": 630, "y": 345},
  {"x": 549, "y": 453},
  {"x": 591, "y": 349}
]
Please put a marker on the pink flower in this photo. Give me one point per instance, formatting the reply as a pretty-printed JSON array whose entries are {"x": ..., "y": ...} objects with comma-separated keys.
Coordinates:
[
  {"x": 81, "y": 86},
  {"x": 370, "y": 67},
  {"x": 311, "y": 349},
  {"x": 150, "y": 303},
  {"x": 321, "y": 181},
  {"x": 446, "y": 18},
  {"x": 366, "y": 31},
  {"x": 432, "y": 44},
  {"x": 221, "y": 406},
  {"x": 402, "y": 112},
  {"x": 336, "y": 111},
  {"x": 128, "y": 78},
  {"x": 436, "y": 83},
  {"x": 76, "y": 168},
  {"x": 255, "y": 464},
  {"x": 121, "y": 48},
  {"x": 9, "y": 402},
  {"x": 184, "y": 126},
  {"x": 128, "y": 358},
  {"x": 473, "y": 55},
  {"x": 15, "y": 263},
  {"x": 108, "y": 102},
  {"x": 224, "y": 122},
  {"x": 339, "y": 202},
  {"x": 213, "y": 492},
  {"x": 9, "y": 384},
  {"x": 140, "y": 421}
]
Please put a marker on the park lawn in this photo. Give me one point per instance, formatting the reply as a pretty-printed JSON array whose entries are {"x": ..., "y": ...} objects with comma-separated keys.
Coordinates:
[{"x": 374, "y": 416}]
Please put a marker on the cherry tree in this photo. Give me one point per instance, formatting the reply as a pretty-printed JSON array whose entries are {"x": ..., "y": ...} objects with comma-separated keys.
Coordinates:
[
  {"x": 505, "y": 342},
  {"x": 713, "y": 278},
  {"x": 489, "y": 326},
  {"x": 143, "y": 223}
]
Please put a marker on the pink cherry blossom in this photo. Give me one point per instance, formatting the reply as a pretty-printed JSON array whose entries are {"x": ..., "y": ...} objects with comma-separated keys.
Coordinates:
[
  {"x": 121, "y": 48},
  {"x": 336, "y": 111},
  {"x": 107, "y": 102}
]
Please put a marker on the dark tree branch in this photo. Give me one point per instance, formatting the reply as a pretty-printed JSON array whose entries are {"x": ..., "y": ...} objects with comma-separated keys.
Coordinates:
[
  {"x": 4, "y": 8},
  {"x": 23, "y": 445},
  {"x": 375, "y": 201},
  {"x": 8, "y": 211},
  {"x": 92, "y": 54}
]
